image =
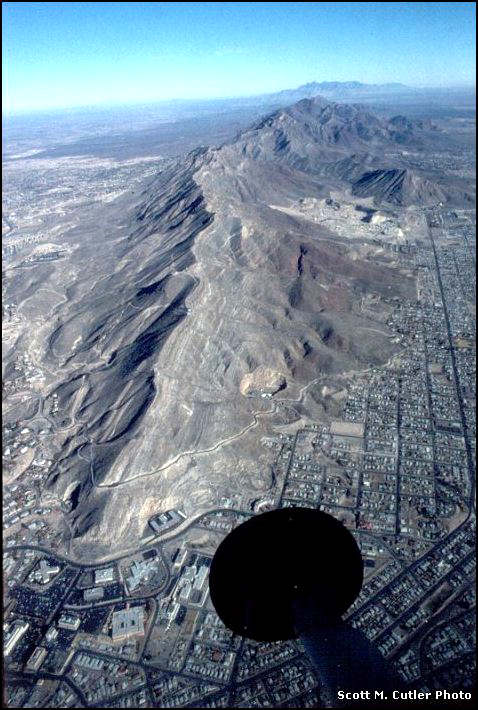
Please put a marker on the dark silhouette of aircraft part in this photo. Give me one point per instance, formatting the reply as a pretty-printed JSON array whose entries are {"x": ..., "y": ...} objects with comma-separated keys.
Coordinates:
[
  {"x": 293, "y": 573},
  {"x": 266, "y": 565}
]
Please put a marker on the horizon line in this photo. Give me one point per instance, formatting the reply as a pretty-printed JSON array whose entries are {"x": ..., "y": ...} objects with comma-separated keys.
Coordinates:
[{"x": 151, "y": 101}]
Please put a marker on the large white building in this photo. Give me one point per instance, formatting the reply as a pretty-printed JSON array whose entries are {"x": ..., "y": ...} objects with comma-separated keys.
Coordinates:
[
  {"x": 36, "y": 659},
  {"x": 44, "y": 573},
  {"x": 103, "y": 576},
  {"x": 69, "y": 621},
  {"x": 128, "y": 622},
  {"x": 13, "y": 636}
]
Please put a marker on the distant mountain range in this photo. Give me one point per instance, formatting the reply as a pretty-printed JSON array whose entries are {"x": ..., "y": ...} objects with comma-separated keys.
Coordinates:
[{"x": 339, "y": 90}]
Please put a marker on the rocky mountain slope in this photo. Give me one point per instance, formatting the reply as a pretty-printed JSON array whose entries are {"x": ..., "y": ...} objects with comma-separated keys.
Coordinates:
[
  {"x": 315, "y": 128},
  {"x": 196, "y": 283},
  {"x": 400, "y": 187}
]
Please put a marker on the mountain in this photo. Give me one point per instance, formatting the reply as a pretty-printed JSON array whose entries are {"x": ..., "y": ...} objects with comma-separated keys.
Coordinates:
[
  {"x": 400, "y": 187},
  {"x": 405, "y": 187},
  {"x": 347, "y": 143},
  {"x": 340, "y": 90},
  {"x": 213, "y": 272},
  {"x": 312, "y": 124}
]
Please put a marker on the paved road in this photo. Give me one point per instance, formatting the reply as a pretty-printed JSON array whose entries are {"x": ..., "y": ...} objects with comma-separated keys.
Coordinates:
[
  {"x": 150, "y": 542},
  {"x": 456, "y": 377}
]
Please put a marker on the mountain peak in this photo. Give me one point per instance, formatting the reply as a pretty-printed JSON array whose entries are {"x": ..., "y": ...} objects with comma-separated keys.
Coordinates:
[{"x": 315, "y": 124}]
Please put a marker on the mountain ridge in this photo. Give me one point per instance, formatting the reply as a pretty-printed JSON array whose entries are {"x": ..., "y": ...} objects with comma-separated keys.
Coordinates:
[{"x": 207, "y": 282}]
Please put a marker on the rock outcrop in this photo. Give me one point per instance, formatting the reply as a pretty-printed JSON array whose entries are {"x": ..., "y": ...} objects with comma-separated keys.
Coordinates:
[{"x": 263, "y": 381}]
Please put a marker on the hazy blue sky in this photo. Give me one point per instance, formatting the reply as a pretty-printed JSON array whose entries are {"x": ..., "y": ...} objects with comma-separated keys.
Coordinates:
[{"x": 71, "y": 53}]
